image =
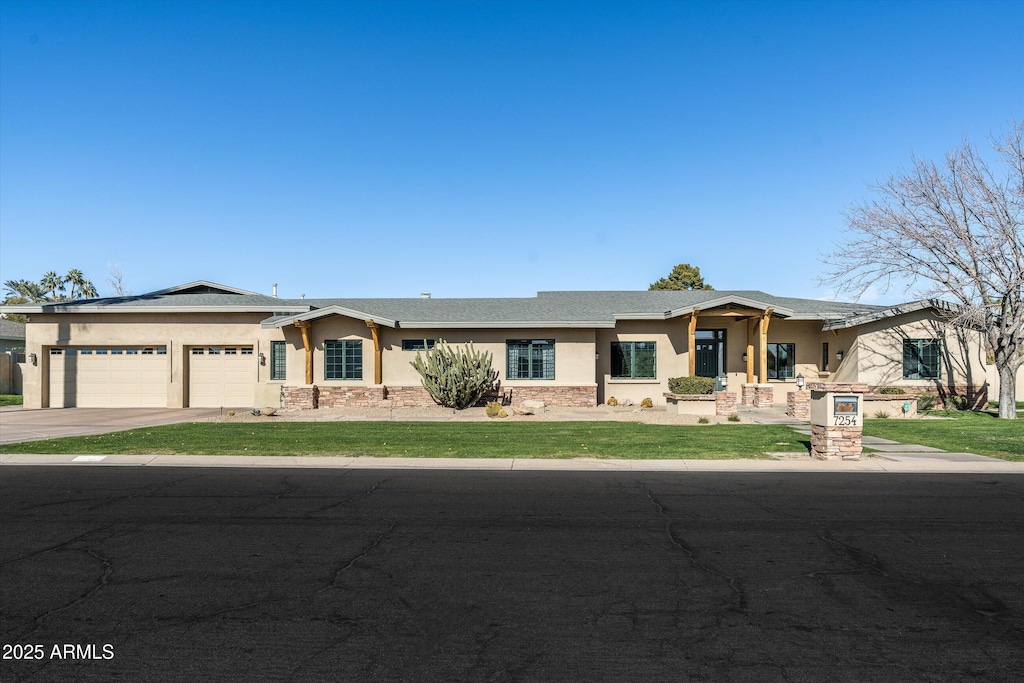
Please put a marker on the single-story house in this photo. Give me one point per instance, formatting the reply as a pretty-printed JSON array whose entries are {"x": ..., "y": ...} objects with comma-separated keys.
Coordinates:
[
  {"x": 12, "y": 336},
  {"x": 203, "y": 344}
]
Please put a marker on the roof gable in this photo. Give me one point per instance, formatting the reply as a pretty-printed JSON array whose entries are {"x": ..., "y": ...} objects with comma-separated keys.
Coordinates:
[{"x": 202, "y": 287}]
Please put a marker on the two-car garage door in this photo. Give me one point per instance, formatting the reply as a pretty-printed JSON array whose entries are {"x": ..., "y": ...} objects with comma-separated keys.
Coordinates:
[
  {"x": 138, "y": 377},
  {"x": 108, "y": 377}
]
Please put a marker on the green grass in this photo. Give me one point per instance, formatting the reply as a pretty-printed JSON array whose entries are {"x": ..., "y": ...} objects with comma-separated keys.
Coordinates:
[
  {"x": 994, "y": 405},
  {"x": 437, "y": 439},
  {"x": 963, "y": 432},
  {"x": 11, "y": 399}
]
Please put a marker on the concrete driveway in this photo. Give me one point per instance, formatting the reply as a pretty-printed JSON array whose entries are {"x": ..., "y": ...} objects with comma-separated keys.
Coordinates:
[{"x": 35, "y": 425}]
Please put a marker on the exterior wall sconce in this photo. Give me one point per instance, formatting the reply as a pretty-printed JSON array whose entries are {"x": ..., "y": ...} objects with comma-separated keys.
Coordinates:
[
  {"x": 744, "y": 356},
  {"x": 800, "y": 382},
  {"x": 33, "y": 358},
  {"x": 839, "y": 356},
  {"x": 263, "y": 358},
  {"x": 597, "y": 356},
  {"x": 724, "y": 380}
]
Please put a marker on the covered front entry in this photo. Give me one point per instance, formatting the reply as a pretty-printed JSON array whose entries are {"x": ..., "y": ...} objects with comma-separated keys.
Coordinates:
[
  {"x": 221, "y": 376},
  {"x": 108, "y": 377},
  {"x": 710, "y": 353}
]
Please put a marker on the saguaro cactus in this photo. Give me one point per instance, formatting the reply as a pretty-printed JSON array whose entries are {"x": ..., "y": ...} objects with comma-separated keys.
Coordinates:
[{"x": 455, "y": 378}]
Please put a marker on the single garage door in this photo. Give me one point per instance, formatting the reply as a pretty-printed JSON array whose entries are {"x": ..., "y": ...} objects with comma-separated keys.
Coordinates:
[
  {"x": 108, "y": 377},
  {"x": 221, "y": 376}
]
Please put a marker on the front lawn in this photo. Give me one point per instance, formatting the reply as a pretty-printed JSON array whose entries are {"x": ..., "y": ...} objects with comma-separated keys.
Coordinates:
[
  {"x": 11, "y": 400},
  {"x": 438, "y": 439},
  {"x": 962, "y": 432}
]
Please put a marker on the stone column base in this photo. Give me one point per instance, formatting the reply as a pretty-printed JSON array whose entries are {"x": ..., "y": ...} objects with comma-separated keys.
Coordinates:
[
  {"x": 831, "y": 443},
  {"x": 798, "y": 405}
]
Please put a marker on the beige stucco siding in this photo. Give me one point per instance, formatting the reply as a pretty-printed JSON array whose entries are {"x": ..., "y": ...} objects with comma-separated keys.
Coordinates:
[
  {"x": 574, "y": 353},
  {"x": 879, "y": 352},
  {"x": 176, "y": 331}
]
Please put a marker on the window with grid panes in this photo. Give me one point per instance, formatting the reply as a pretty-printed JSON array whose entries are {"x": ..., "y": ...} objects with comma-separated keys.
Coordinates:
[
  {"x": 343, "y": 359},
  {"x": 277, "y": 360},
  {"x": 633, "y": 360},
  {"x": 530, "y": 358},
  {"x": 921, "y": 359}
]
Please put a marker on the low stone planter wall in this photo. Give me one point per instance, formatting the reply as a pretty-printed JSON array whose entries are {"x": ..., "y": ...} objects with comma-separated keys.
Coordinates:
[
  {"x": 361, "y": 397},
  {"x": 758, "y": 395},
  {"x": 890, "y": 404},
  {"x": 720, "y": 404},
  {"x": 309, "y": 397}
]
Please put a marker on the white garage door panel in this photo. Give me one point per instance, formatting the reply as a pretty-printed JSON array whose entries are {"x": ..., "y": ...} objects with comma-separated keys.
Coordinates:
[
  {"x": 225, "y": 377},
  {"x": 97, "y": 378}
]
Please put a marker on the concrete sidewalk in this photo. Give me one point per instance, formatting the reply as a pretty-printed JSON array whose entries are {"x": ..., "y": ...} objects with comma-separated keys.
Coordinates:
[{"x": 866, "y": 464}]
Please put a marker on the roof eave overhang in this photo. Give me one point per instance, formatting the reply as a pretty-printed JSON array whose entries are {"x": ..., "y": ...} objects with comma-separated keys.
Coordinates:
[
  {"x": 57, "y": 308},
  {"x": 507, "y": 324},
  {"x": 317, "y": 313},
  {"x": 894, "y": 311},
  {"x": 707, "y": 306}
]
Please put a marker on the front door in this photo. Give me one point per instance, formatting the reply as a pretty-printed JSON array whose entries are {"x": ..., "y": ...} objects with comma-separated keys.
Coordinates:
[{"x": 709, "y": 360}]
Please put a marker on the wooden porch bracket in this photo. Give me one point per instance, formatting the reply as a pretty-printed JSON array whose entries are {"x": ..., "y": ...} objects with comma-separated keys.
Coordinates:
[
  {"x": 766, "y": 318},
  {"x": 307, "y": 343},
  {"x": 378, "y": 370},
  {"x": 691, "y": 340}
]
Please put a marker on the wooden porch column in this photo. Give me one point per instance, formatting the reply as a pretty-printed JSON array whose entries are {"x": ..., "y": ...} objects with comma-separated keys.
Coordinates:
[
  {"x": 307, "y": 343},
  {"x": 750, "y": 350},
  {"x": 766, "y": 318},
  {"x": 691, "y": 340},
  {"x": 378, "y": 371}
]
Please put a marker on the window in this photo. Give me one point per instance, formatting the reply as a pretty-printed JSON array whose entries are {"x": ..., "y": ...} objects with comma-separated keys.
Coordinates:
[
  {"x": 56, "y": 352},
  {"x": 198, "y": 351},
  {"x": 230, "y": 351},
  {"x": 824, "y": 356},
  {"x": 86, "y": 352},
  {"x": 781, "y": 361},
  {"x": 132, "y": 351},
  {"x": 246, "y": 350},
  {"x": 921, "y": 359},
  {"x": 417, "y": 344},
  {"x": 161, "y": 350},
  {"x": 343, "y": 359},
  {"x": 214, "y": 351},
  {"x": 530, "y": 359},
  {"x": 277, "y": 360},
  {"x": 633, "y": 360}
]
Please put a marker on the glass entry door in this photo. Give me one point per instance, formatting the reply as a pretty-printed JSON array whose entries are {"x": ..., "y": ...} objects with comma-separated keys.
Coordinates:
[{"x": 709, "y": 353}]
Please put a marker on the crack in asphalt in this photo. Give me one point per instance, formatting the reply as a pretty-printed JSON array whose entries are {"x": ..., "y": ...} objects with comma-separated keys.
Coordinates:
[
  {"x": 55, "y": 547},
  {"x": 338, "y": 573},
  {"x": 283, "y": 482},
  {"x": 345, "y": 502},
  {"x": 691, "y": 555},
  {"x": 148, "y": 490}
]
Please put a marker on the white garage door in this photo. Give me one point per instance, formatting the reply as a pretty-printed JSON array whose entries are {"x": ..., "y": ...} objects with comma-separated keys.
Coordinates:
[
  {"x": 108, "y": 377},
  {"x": 221, "y": 376}
]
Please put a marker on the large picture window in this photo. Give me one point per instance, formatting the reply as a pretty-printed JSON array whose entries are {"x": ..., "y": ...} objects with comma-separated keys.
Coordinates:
[
  {"x": 921, "y": 359},
  {"x": 781, "y": 361},
  {"x": 343, "y": 359},
  {"x": 530, "y": 359},
  {"x": 277, "y": 360},
  {"x": 634, "y": 360}
]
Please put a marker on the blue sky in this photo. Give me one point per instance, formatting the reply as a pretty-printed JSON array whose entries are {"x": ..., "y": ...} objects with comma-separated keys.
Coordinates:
[{"x": 477, "y": 148}]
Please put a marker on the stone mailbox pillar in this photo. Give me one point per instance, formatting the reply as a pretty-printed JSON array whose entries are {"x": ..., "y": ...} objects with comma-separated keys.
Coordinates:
[{"x": 837, "y": 420}]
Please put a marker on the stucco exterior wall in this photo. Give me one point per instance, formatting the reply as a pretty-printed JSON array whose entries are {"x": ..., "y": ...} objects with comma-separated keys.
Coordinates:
[
  {"x": 879, "y": 357},
  {"x": 177, "y": 331},
  {"x": 993, "y": 380}
]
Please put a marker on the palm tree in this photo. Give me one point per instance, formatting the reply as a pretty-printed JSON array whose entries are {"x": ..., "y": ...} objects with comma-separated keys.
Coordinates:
[
  {"x": 25, "y": 291},
  {"x": 85, "y": 287},
  {"x": 52, "y": 283}
]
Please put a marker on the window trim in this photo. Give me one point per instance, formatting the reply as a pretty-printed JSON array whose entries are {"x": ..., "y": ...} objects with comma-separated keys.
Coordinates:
[
  {"x": 792, "y": 358},
  {"x": 919, "y": 347},
  {"x": 546, "y": 374},
  {"x": 632, "y": 361},
  {"x": 343, "y": 346},
  {"x": 278, "y": 366}
]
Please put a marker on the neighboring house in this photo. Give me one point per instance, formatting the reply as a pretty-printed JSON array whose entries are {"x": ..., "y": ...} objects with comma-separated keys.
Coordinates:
[
  {"x": 204, "y": 344},
  {"x": 12, "y": 336}
]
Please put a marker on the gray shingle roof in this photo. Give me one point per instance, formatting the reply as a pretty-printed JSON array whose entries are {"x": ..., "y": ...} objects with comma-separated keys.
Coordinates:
[
  {"x": 11, "y": 330},
  {"x": 564, "y": 308}
]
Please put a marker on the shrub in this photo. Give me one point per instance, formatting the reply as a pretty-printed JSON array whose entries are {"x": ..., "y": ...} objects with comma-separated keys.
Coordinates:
[
  {"x": 691, "y": 385},
  {"x": 647, "y": 403},
  {"x": 502, "y": 413},
  {"x": 957, "y": 402},
  {"x": 455, "y": 378},
  {"x": 882, "y": 415},
  {"x": 734, "y": 418},
  {"x": 493, "y": 408},
  {"x": 703, "y": 421},
  {"x": 891, "y": 390},
  {"x": 612, "y": 401}
]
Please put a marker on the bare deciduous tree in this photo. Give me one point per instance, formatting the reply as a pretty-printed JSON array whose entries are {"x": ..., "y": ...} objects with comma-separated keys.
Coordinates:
[
  {"x": 953, "y": 230},
  {"x": 116, "y": 280}
]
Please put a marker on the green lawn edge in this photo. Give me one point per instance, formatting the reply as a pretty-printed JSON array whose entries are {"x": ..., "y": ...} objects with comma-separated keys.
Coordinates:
[
  {"x": 957, "y": 432},
  {"x": 619, "y": 440},
  {"x": 11, "y": 400}
]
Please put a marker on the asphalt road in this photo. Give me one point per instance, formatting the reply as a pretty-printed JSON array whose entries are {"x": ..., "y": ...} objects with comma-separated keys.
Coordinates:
[{"x": 397, "y": 575}]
